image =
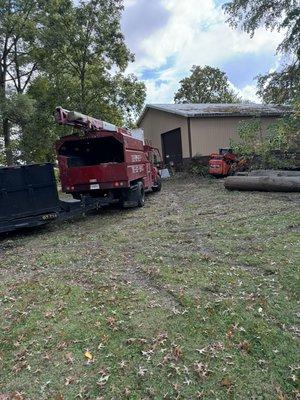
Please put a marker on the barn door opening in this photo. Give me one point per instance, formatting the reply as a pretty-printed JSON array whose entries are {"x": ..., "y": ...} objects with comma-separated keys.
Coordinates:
[{"x": 172, "y": 147}]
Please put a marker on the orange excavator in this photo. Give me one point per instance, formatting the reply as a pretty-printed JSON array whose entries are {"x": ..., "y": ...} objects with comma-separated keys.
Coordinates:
[{"x": 224, "y": 163}]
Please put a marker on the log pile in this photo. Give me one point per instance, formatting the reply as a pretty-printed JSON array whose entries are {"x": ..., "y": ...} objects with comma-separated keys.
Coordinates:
[{"x": 265, "y": 180}]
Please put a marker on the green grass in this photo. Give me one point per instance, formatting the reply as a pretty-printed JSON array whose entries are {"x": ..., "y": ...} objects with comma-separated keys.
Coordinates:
[{"x": 194, "y": 296}]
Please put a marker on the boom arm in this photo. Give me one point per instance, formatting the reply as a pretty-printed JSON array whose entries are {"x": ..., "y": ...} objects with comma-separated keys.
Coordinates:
[{"x": 81, "y": 121}]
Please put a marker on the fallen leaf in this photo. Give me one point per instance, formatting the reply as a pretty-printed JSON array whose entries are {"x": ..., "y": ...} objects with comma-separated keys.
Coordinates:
[
  {"x": 17, "y": 396},
  {"x": 226, "y": 382},
  {"x": 69, "y": 380},
  {"x": 112, "y": 322},
  {"x": 102, "y": 381},
  {"x": 69, "y": 358},
  {"x": 176, "y": 352},
  {"x": 88, "y": 355},
  {"x": 294, "y": 378},
  {"x": 280, "y": 394},
  {"x": 201, "y": 370},
  {"x": 245, "y": 346},
  {"x": 142, "y": 371},
  {"x": 229, "y": 334},
  {"x": 127, "y": 392}
]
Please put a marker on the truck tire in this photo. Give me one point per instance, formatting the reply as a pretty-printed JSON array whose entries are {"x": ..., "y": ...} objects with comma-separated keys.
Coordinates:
[
  {"x": 157, "y": 187},
  {"x": 133, "y": 197},
  {"x": 140, "y": 194}
]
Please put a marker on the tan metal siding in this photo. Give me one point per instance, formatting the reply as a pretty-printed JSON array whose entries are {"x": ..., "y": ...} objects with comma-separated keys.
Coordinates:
[
  {"x": 157, "y": 122},
  {"x": 210, "y": 134}
]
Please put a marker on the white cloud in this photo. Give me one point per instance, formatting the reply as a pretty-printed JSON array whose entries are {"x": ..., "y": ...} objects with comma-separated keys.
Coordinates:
[
  {"x": 248, "y": 92},
  {"x": 129, "y": 3},
  {"x": 195, "y": 34}
]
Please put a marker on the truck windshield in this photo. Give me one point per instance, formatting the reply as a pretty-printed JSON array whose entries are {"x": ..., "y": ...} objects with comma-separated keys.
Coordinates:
[{"x": 86, "y": 152}]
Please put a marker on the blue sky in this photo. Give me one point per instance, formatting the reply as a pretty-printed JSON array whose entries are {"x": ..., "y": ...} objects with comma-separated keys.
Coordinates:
[{"x": 168, "y": 37}]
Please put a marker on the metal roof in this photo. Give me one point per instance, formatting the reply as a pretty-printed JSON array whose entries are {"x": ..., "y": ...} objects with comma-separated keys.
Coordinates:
[{"x": 219, "y": 110}]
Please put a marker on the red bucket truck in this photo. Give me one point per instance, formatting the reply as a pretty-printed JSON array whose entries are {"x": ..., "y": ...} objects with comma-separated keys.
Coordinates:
[{"x": 104, "y": 161}]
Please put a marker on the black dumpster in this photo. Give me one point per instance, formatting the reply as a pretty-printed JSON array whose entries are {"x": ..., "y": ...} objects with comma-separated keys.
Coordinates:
[{"x": 28, "y": 196}]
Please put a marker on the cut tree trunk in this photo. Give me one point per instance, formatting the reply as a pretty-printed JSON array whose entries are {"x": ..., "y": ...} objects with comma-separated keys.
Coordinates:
[
  {"x": 264, "y": 183},
  {"x": 272, "y": 172}
]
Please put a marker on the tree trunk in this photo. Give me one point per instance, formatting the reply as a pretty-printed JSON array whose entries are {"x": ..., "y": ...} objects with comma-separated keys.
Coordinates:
[
  {"x": 272, "y": 172},
  {"x": 82, "y": 89},
  {"x": 7, "y": 142},
  {"x": 263, "y": 183},
  {"x": 5, "y": 122}
]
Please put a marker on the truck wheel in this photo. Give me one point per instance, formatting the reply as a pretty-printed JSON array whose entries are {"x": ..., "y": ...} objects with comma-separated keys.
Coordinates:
[
  {"x": 157, "y": 187},
  {"x": 133, "y": 197},
  {"x": 140, "y": 195}
]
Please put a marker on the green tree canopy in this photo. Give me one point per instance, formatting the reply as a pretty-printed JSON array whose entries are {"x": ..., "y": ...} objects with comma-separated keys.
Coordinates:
[
  {"x": 89, "y": 57},
  {"x": 69, "y": 54},
  {"x": 205, "y": 85},
  {"x": 83, "y": 57},
  {"x": 281, "y": 86},
  {"x": 18, "y": 28},
  {"x": 273, "y": 14}
]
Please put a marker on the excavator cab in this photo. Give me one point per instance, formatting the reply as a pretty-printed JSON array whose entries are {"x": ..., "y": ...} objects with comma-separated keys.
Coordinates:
[{"x": 221, "y": 164}]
